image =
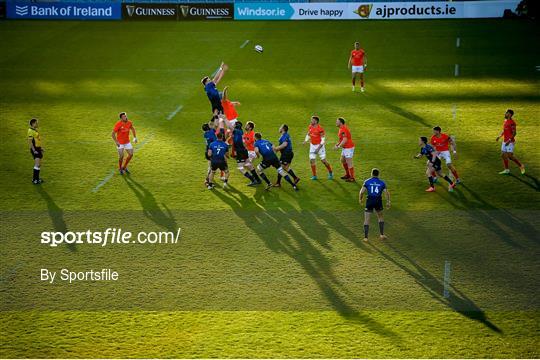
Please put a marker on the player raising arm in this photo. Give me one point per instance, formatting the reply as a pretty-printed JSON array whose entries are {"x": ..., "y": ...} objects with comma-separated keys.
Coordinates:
[
  {"x": 229, "y": 108},
  {"x": 358, "y": 64},
  {"x": 210, "y": 87},
  {"x": 374, "y": 187},
  {"x": 120, "y": 136},
  {"x": 509, "y": 139},
  {"x": 433, "y": 164},
  {"x": 316, "y": 138}
]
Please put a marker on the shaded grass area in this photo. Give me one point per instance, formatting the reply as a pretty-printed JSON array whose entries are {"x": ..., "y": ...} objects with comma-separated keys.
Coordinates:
[
  {"x": 281, "y": 259},
  {"x": 256, "y": 334}
]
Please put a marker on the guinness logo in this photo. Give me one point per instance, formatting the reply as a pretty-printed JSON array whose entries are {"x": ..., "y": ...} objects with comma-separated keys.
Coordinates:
[
  {"x": 185, "y": 10},
  {"x": 130, "y": 10}
]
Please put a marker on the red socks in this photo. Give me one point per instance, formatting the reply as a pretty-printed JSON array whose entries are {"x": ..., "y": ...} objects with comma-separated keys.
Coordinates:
[
  {"x": 456, "y": 176},
  {"x": 351, "y": 172},
  {"x": 328, "y": 167},
  {"x": 346, "y": 167},
  {"x": 354, "y": 81},
  {"x": 120, "y": 164},
  {"x": 127, "y": 161},
  {"x": 505, "y": 162}
]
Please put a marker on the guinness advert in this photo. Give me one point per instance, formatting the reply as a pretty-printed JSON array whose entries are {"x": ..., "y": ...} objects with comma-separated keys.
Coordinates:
[
  {"x": 207, "y": 11},
  {"x": 150, "y": 11}
]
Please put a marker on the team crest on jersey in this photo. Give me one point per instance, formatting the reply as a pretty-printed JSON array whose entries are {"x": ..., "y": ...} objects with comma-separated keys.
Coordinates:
[{"x": 364, "y": 10}]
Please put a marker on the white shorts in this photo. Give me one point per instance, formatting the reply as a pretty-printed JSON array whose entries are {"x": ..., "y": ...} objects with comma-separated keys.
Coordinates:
[
  {"x": 313, "y": 155},
  {"x": 232, "y": 122},
  {"x": 347, "y": 153},
  {"x": 127, "y": 146},
  {"x": 358, "y": 69},
  {"x": 445, "y": 155},
  {"x": 252, "y": 155},
  {"x": 507, "y": 148}
]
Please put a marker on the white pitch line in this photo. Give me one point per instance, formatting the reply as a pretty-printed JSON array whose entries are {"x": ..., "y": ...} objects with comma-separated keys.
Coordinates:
[
  {"x": 456, "y": 70},
  {"x": 173, "y": 114},
  {"x": 244, "y": 44},
  {"x": 104, "y": 181},
  {"x": 458, "y": 42},
  {"x": 446, "y": 290},
  {"x": 454, "y": 111},
  {"x": 111, "y": 174},
  {"x": 144, "y": 142}
]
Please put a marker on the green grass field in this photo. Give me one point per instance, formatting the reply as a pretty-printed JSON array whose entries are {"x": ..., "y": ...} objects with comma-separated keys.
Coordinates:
[{"x": 272, "y": 274}]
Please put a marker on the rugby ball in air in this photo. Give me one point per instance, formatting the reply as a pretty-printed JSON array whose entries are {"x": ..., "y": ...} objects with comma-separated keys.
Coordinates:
[{"x": 259, "y": 48}]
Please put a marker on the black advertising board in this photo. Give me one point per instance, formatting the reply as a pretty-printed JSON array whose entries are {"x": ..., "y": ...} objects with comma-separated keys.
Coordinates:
[
  {"x": 2, "y": 10},
  {"x": 206, "y": 11},
  {"x": 149, "y": 11}
]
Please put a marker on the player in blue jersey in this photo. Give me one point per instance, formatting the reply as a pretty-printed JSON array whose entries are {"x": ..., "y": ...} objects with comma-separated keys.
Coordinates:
[
  {"x": 285, "y": 147},
  {"x": 374, "y": 188},
  {"x": 209, "y": 137},
  {"x": 218, "y": 152},
  {"x": 210, "y": 87},
  {"x": 434, "y": 164},
  {"x": 242, "y": 157},
  {"x": 265, "y": 149}
]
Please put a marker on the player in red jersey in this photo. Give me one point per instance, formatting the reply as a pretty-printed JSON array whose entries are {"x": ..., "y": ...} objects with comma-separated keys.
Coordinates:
[
  {"x": 317, "y": 140},
  {"x": 358, "y": 64},
  {"x": 442, "y": 144},
  {"x": 231, "y": 117},
  {"x": 507, "y": 148},
  {"x": 249, "y": 142},
  {"x": 120, "y": 135},
  {"x": 347, "y": 149},
  {"x": 229, "y": 108}
]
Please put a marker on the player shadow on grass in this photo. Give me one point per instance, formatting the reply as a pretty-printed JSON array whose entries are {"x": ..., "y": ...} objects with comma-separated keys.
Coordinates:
[
  {"x": 495, "y": 220},
  {"x": 457, "y": 301},
  {"x": 151, "y": 209},
  {"x": 330, "y": 220},
  {"x": 288, "y": 237},
  {"x": 56, "y": 214},
  {"x": 535, "y": 185},
  {"x": 393, "y": 108}
]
